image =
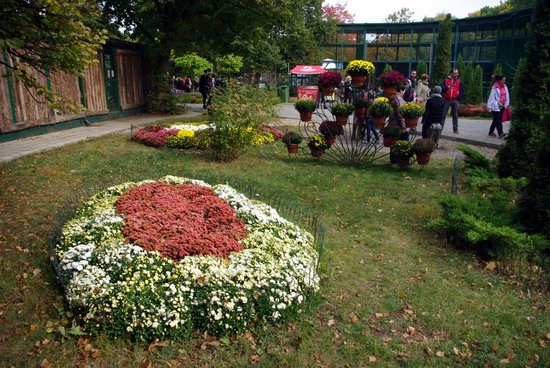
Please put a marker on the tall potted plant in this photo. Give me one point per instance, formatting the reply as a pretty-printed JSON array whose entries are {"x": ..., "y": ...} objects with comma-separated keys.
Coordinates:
[
  {"x": 292, "y": 140},
  {"x": 390, "y": 135},
  {"x": 317, "y": 144},
  {"x": 330, "y": 130},
  {"x": 380, "y": 110},
  {"x": 358, "y": 70},
  {"x": 361, "y": 108},
  {"x": 392, "y": 82},
  {"x": 328, "y": 81},
  {"x": 341, "y": 111},
  {"x": 412, "y": 111},
  {"x": 305, "y": 107},
  {"x": 423, "y": 148}
]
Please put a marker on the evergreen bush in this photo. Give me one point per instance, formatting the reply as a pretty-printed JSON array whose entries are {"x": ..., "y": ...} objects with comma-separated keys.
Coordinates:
[
  {"x": 421, "y": 68},
  {"x": 466, "y": 77},
  {"x": 476, "y": 89},
  {"x": 443, "y": 51}
]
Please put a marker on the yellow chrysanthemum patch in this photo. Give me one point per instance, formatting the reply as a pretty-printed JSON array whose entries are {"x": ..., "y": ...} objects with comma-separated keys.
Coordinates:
[
  {"x": 186, "y": 133},
  {"x": 262, "y": 138}
]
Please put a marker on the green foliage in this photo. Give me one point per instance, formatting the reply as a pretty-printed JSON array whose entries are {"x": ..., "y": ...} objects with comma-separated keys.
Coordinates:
[
  {"x": 534, "y": 203},
  {"x": 474, "y": 159},
  {"x": 503, "y": 7},
  {"x": 391, "y": 131},
  {"x": 362, "y": 103},
  {"x": 467, "y": 77},
  {"x": 237, "y": 113},
  {"x": 180, "y": 142},
  {"x": 342, "y": 109},
  {"x": 531, "y": 100},
  {"x": 292, "y": 138},
  {"x": 305, "y": 105},
  {"x": 424, "y": 145},
  {"x": 443, "y": 51},
  {"x": 421, "y": 68},
  {"x": 58, "y": 35},
  {"x": 403, "y": 15},
  {"x": 317, "y": 141},
  {"x": 160, "y": 100},
  {"x": 229, "y": 64},
  {"x": 380, "y": 108},
  {"x": 388, "y": 68},
  {"x": 488, "y": 183},
  {"x": 476, "y": 89},
  {"x": 476, "y": 224},
  {"x": 460, "y": 65},
  {"x": 192, "y": 64}
]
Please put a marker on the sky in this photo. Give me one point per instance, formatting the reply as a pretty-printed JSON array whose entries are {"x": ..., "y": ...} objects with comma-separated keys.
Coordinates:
[{"x": 371, "y": 11}]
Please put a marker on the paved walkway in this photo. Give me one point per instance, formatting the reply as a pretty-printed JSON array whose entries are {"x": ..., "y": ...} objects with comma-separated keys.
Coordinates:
[
  {"x": 26, "y": 146},
  {"x": 471, "y": 131}
]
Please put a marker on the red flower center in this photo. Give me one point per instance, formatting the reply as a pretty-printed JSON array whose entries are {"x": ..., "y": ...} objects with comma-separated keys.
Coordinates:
[{"x": 180, "y": 220}]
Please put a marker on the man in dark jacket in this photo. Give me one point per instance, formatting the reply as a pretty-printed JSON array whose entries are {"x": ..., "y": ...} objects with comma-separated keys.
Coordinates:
[
  {"x": 452, "y": 91},
  {"x": 434, "y": 111},
  {"x": 205, "y": 86}
]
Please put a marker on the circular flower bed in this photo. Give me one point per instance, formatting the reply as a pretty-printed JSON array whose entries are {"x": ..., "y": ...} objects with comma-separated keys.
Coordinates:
[{"x": 159, "y": 259}]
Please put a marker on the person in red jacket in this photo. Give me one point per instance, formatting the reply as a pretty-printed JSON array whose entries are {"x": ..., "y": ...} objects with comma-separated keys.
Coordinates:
[{"x": 452, "y": 92}]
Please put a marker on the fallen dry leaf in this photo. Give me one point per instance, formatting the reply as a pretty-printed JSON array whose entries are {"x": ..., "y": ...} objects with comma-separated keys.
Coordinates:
[
  {"x": 330, "y": 322},
  {"x": 440, "y": 354},
  {"x": 372, "y": 359},
  {"x": 254, "y": 359},
  {"x": 490, "y": 266},
  {"x": 354, "y": 318}
]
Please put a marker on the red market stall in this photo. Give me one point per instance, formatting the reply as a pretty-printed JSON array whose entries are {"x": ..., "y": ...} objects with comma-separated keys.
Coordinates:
[{"x": 311, "y": 92}]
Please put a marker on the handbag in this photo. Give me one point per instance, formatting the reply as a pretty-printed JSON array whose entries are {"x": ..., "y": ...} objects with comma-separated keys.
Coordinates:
[{"x": 506, "y": 114}]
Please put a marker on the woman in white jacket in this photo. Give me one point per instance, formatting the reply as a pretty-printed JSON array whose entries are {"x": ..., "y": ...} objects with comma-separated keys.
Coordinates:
[{"x": 499, "y": 100}]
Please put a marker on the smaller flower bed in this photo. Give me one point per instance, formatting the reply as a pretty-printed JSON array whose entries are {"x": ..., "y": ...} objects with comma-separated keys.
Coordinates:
[{"x": 196, "y": 135}]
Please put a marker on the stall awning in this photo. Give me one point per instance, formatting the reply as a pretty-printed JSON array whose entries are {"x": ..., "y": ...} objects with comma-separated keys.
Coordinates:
[{"x": 307, "y": 69}]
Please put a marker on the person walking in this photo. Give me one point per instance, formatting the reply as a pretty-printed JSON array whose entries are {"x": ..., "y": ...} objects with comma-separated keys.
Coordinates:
[
  {"x": 452, "y": 92},
  {"x": 205, "y": 85},
  {"x": 498, "y": 102},
  {"x": 434, "y": 112}
]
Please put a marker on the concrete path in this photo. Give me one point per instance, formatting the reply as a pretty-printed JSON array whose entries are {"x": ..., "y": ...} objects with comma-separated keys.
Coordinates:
[
  {"x": 474, "y": 132},
  {"x": 471, "y": 131},
  {"x": 26, "y": 146}
]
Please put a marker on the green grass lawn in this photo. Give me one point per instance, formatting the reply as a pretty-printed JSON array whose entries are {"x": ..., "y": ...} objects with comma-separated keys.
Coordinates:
[{"x": 392, "y": 292}]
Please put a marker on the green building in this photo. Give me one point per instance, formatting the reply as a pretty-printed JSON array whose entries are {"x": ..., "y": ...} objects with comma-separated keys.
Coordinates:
[{"x": 486, "y": 41}]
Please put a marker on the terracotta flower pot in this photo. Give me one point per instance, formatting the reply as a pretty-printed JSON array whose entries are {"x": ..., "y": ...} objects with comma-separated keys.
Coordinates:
[
  {"x": 328, "y": 91},
  {"x": 316, "y": 152},
  {"x": 423, "y": 158},
  {"x": 341, "y": 119},
  {"x": 379, "y": 122},
  {"x": 360, "y": 112},
  {"x": 292, "y": 148},
  {"x": 389, "y": 91},
  {"x": 358, "y": 79},
  {"x": 330, "y": 139},
  {"x": 403, "y": 162},
  {"x": 389, "y": 140},
  {"x": 306, "y": 115},
  {"x": 411, "y": 122}
]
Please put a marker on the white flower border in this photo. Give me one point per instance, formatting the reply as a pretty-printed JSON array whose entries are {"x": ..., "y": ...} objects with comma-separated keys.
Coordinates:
[
  {"x": 120, "y": 289},
  {"x": 194, "y": 128}
]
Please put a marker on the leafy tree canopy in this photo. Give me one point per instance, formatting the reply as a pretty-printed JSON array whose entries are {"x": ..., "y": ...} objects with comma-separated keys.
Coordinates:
[
  {"x": 229, "y": 64},
  {"x": 191, "y": 64},
  {"x": 287, "y": 30},
  {"x": 338, "y": 12},
  {"x": 60, "y": 35},
  {"x": 503, "y": 7},
  {"x": 403, "y": 15}
]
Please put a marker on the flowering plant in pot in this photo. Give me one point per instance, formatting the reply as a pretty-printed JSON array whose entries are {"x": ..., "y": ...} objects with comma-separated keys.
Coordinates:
[
  {"x": 330, "y": 129},
  {"x": 342, "y": 110},
  {"x": 330, "y": 79},
  {"x": 392, "y": 79},
  {"x": 411, "y": 111},
  {"x": 390, "y": 133},
  {"x": 317, "y": 144},
  {"x": 423, "y": 148},
  {"x": 402, "y": 152},
  {"x": 292, "y": 140},
  {"x": 305, "y": 107},
  {"x": 358, "y": 69},
  {"x": 361, "y": 107},
  {"x": 380, "y": 110}
]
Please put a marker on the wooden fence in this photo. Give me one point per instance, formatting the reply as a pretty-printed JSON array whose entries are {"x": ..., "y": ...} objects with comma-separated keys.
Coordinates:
[{"x": 21, "y": 108}]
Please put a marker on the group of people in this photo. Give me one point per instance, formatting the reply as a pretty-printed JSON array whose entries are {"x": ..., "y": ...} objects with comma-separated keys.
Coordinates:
[
  {"x": 447, "y": 96},
  {"x": 181, "y": 84},
  {"x": 206, "y": 83}
]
